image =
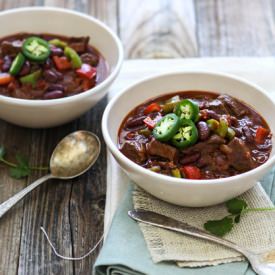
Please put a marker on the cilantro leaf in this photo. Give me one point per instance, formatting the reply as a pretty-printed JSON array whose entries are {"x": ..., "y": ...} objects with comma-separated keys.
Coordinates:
[
  {"x": 22, "y": 161},
  {"x": 22, "y": 169},
  {"x": 19, "y": 172},
  {"x": 237, "y": 218},
  {"x": 236, "y": 206},
  {"x": 2, "y": 152},
  {"x": 219, "y": 227}
]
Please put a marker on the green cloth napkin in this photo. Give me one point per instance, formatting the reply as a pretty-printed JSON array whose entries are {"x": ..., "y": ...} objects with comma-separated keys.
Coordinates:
[{"x": 125, "y": 252}]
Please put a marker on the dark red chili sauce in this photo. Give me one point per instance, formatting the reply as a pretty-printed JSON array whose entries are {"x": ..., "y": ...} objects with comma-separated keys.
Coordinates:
[
  {"x": 213, "y": 155},
  {"x": 54, "y": 81}
]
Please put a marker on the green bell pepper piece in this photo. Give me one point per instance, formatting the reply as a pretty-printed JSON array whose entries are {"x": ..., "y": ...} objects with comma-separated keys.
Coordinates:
[
  {"x": 31, "y": 78},
  {"x": 58, "y": 43},
  {"x": 73, "y": 56},
  {"x": 17, "y": 64}
]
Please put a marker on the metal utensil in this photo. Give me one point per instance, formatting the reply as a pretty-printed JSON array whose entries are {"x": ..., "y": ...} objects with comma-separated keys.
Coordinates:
[
  {"x": 262, "y": 263},
  {"x": 72, "y": 156}
]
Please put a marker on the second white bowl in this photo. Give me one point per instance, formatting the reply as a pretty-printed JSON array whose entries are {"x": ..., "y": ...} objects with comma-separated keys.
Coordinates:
[{"x": 186, "y": 192}]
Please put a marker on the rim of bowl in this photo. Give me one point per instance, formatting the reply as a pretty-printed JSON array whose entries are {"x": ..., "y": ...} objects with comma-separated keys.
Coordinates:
[
  {"x": 113, "y": 147},
  {"x": 96, "y": 89}
]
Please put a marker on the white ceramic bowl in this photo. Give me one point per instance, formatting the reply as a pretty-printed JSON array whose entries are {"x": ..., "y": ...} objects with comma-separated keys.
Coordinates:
[
  {"x": 186, "y": 192},
  {"x": 48, "y": 113}
]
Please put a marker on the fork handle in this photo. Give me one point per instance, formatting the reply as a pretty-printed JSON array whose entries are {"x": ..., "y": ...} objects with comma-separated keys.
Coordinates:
[{"x": 162, "y": 221}]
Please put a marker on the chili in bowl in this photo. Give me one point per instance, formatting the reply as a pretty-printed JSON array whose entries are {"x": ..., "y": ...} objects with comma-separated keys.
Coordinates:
[
  {"x": 192, "y": 138},
  {"x": 195, "y": 135},
  {"x": 48, "y": 66},
  {"x": 55, "y": 65}
]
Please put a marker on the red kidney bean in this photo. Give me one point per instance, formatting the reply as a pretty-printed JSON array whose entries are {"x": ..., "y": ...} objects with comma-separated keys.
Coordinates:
[
  {"x": 58, "y": 74},
  {"x": 203, "y": 130},
  {"x": 189, "y": 158},
  {"x": 53, "y": 87},
  {"x": 53, "y": 94},
  {"x": 25, "y": 69},
  {"x": 48, "y": 64},
  {"x": 50, "y": 76},
  {"x": 135, "y": 121},
  {"x": 7, "y": 63}
]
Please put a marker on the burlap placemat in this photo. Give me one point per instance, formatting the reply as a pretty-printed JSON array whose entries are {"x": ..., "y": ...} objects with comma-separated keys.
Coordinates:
[{"x": 256, "y": 230}]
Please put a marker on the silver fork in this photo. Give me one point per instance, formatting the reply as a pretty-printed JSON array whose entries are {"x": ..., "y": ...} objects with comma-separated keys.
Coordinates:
[{"x": 262, "y": 263}]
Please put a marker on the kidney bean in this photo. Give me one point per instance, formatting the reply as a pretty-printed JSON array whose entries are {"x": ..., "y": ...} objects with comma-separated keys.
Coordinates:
[
  {"x": 25, "y": 69},
  {"x": 56, "y": 51},
  {"x": 53, "y": 87},
  {"x": 135, "y": 121},
  {"x": 53, "y": 94},
  {"x": 90, "y": 58},
  {"x": 50, "y": 76},
  {"x": 189, "y": 158},
  {"x": 58, "y": 74},
  {"x": 203, "y": 130},
  {"x": 7, "y": 63},
  {"x": 48, "y": 64}
]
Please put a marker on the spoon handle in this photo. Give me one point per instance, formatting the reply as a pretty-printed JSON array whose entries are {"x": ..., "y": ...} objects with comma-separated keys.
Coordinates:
[
  {"x": 8, "y": 204},
  {"x": 162, "y": 221}
]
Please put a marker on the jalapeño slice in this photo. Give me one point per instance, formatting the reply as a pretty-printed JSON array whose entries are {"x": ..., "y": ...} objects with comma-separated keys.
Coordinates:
[
  {"x": 166, "y": 128},
  {"x": 186, "y": 135},
  {"x": 36, "y": 49},
  {"x": 187, "y": 109}
]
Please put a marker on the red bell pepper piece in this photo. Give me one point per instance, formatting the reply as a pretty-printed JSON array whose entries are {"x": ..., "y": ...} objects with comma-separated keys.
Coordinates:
[
  {"x": 62, "y": 63},
  {"x": 87, "y": 84},
  {"x": 150, "y": 123},
  {"x": 191, "y": 172},
  {"x": 261, "y": 134},
  {"x": 153, "y": 107},
  {"x": 5, "y": 78},
  {"x": 86, "y": 71}
]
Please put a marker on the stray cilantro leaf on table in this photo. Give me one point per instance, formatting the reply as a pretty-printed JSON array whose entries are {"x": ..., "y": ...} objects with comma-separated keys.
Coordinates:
[
  {"x": 219, "y": 227},
  {"x": 236, "y": 206},
  {"x": 21, "y": 168}
]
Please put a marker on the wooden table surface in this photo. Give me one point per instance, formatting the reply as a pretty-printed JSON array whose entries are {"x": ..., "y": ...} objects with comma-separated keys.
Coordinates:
[{"x": 72, "y": 212}]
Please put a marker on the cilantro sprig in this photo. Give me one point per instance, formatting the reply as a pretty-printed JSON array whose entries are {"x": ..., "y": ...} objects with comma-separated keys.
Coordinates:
[
  {"x": 237, "y": 208},
  {"x": 21, "y": 168}
]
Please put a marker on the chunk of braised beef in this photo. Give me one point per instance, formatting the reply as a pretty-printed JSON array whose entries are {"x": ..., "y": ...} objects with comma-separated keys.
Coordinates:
[
  {"x": 234, "y": 107},
  {"x": 215, "y": 139},
  {"x": 79, "y": 44},
  {"x": 218, "y": 107},
  {"x": 11, "y": 48},
  {"x": 239, "y": 155},
  {"x": 134, "y": 150},
  {"x": 157, "y": 148},
  {"x": 248, "y": 134},
  {"x": 206, "y": 114}
]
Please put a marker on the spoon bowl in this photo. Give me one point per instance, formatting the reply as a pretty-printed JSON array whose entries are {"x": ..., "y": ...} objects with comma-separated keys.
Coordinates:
[{"x": 74, "y": 155}]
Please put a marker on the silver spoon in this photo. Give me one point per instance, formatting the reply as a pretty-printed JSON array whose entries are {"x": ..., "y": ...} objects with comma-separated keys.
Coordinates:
[
  {"x": 262, "y": 263},
  {"x": 72, "y": 156}
]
